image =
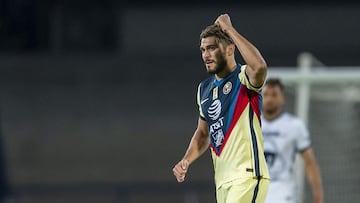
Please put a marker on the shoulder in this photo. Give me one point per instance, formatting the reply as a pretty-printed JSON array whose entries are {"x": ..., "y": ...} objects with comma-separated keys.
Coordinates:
[
  {"x": 293, "y": 120},
  {"x": 244, "y": 78},
  {"x": 206, "y": 82}
]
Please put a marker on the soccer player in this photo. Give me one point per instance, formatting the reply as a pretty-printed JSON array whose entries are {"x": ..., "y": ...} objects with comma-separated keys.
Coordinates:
[
  {"x": 284, "y": 136},
  {"x": 229, "y": 122}
]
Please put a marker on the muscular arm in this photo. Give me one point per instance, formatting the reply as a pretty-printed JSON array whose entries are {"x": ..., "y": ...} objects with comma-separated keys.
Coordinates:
[
  {"x": 256, "y": 65},
  {"x": 198, "y": 145},
  {"x": 313, "y": 175},
  {"x": 199, "y": 142}
]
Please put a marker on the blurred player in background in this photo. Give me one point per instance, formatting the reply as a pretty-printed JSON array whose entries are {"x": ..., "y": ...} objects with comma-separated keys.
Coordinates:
[
  {"x": 284, "y": 136},
  {"x": 229, "y": 122}
]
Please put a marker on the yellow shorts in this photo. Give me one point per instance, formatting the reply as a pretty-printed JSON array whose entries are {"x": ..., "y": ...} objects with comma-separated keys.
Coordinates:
[{"x": 243, "y": 190}]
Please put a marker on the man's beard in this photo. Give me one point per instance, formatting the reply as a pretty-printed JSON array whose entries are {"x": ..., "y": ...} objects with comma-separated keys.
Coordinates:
[
  {"x": 271, "y": 111},
  {"x": 220, "y": 65}
]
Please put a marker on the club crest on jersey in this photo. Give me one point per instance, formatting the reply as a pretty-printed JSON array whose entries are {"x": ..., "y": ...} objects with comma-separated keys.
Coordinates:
[{"x": 227, "y": 87}]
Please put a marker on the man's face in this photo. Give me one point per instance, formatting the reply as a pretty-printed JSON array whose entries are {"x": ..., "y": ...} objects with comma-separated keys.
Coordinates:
[
  {"x": 213, "y": 55},
  {"x": 273, "y": 99}
]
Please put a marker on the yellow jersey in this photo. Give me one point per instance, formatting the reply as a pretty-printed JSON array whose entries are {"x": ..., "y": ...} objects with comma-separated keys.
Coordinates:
[{"x": 231, "y": 107}]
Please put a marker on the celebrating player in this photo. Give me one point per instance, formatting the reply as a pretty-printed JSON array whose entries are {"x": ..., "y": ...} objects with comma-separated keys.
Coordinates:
[{"x": 229, "y": 122}]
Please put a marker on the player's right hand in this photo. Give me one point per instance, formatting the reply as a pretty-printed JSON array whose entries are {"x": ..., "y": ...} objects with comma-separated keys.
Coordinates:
[
  {"x": 180, "y": 170},
  {"x": 224, "y": 22}
]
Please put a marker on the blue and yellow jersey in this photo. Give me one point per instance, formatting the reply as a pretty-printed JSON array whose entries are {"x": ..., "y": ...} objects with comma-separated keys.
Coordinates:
[{"x": 231, "y": 107}]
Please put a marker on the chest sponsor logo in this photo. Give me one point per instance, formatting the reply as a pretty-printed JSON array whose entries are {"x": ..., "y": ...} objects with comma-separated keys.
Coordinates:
[
  {"x": 215, "y": 129},
  {"x": 271, "y": 133},
  {"x": 216, "y": 132},
  {"x": 215, "y": 110}
]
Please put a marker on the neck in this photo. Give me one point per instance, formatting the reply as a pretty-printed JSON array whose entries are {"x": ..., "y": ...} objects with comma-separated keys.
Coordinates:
[
  {"x": 227, "y": 70},
  {"x": 272, "y": 116}
]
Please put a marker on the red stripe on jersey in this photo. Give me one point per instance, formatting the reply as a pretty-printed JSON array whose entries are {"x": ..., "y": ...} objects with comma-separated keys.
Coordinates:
[
  {"x": 255, "y": 103},
  {"x": 241, "y": 103}
]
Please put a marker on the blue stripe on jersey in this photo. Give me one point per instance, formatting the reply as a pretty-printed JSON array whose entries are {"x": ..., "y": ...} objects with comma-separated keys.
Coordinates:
[
  {"x": 233, "y": 104},
  {"x": 218, "y": 82},
  {"x": 256, "y": 190},
  {"x": 260, "y": 104},
  {"x": 254, "y": 142}
]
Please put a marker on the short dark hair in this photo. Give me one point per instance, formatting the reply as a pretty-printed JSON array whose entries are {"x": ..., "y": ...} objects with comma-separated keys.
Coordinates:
[
  {"x": 273, "y": 82},
  {"x": 220, "y": 36}
]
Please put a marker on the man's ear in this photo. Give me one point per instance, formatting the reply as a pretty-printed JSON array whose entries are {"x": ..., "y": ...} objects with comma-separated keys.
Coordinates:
[{"x": 230, "y": 49}]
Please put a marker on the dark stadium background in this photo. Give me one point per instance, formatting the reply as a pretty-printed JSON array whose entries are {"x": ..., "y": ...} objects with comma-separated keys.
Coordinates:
[{"x": 98, "y": 97}]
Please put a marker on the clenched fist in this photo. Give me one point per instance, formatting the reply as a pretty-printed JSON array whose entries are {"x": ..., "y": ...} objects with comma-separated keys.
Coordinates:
[{"x": 180, "y": 170}]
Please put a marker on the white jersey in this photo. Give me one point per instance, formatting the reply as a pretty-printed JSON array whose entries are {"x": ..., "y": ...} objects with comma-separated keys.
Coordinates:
[{"x": 283, "y": 138}]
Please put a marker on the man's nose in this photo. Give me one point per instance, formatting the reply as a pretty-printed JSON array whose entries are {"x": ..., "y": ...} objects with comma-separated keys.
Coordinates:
[{"x": 206, "y": 54}]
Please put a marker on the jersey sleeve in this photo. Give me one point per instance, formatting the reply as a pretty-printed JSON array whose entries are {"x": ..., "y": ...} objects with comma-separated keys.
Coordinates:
[
  {"x": 245, "y": 80},
  {"x": 303, "y": 140},
  {"x": 198, "y": 97}
]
